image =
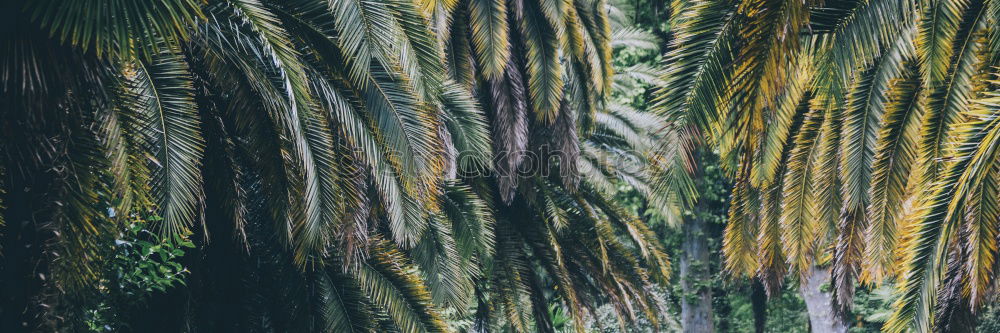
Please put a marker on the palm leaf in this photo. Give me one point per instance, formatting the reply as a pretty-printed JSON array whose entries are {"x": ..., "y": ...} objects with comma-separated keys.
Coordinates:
[
  {"x": 488, "y": 19},
  {"x": 895, "y": 153},
  {"x": 162, "y": 92},
  {"x": 543, "y": 67},
  {"x": 113, "y": 28},
  {"x": 395, "y": 288},
  {"x": 798, "y": 215}
]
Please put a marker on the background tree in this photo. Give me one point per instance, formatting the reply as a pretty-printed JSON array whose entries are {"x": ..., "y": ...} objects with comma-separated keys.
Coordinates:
[
  {"x": 832, "y": 119},
  {"x": 545, "y": 75}
]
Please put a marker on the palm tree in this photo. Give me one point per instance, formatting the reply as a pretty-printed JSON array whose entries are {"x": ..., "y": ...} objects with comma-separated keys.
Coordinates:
[
  {"x": 244, "y": 112},
  {"x": 832, "y": 119},
  {"x": 543, "y": 71},
  {"x": 327, "y": 158}
]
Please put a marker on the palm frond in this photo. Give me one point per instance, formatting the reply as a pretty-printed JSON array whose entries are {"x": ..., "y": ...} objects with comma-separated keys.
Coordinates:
[
  {"x": 739, "y": 239},
  {"x": 112, "y": 29},
  {"x": 161, "y": 95},
  {"x": 895, "y": 153},
  {"x": 543, "y": 67},
  {"x": 394, "y": 287},
  {"x": 490, "y": 35},
  {"x": 938, "y": 28},
  {"x": 939, "y": 216},
  {"x": 798, "y": 214},
  {"x": 634, "y": 38},
  {"x": 696, "y": 73}
]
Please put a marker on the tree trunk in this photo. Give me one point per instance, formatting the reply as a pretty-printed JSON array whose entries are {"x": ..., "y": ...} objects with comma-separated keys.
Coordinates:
[
  {"x": 696, "y": 303},
  {"x": 819, "y": 304},
  {"x": 758, "y": 303}
]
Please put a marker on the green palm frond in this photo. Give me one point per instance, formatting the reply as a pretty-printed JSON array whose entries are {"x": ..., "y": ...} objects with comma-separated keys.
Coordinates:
[
  {"x": 772, "y": 261},
  {"x": 543, "y": 67},
  {"x": 827, "y": 170},
  {"x": 312, "y": 204},
  {"x": 472, "y": 223},
  {"x": 161, "y": 97},
  {"x": 798, "y": 213},
  {"x": 982, "y": 231},
  {"x": 392, "y": 285},
  {"x": 979, "y": 146},
  {"x": 341, "y": 305},
  {"x": 697, "y": 72},
  {"x": 739, "y": 241},
  {"x": 438, "y": 258},
  {"x": 490, "y": 35},
  {"x": 365, "y": 33},
  {"x": 635, "y": 38},
  {"x": 786, "y": 112},
  {"x": 856, "y": 44},
  {"x": 941, "y": 215},
  {"x": 949, "y": 92},
  {"x": 117, "y": 29},
  {"x": 458, "y": 48},
  {"x": 864, "y": 108},
  {"x": 863, "y": 111},
  {"x": 417, "y": 49},
  {"x": 895, "y": 153},
  {"x": 939, "y": 25},
  {"x": 468, "y": 127}
]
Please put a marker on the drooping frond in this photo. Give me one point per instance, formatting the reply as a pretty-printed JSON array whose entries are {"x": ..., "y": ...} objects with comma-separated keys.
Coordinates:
[
  {"x": 859, "y": 38},
  {"x": 950, "y": 91},
  {"x": 895, "y": 154},
  {"x": 784, "y": 113},
  {"x": 117, "y": 29},
  {"x": 863, "y": 111},
  {"x": 978, "y": 186},
  {"x": 490, "y": 35},
  {"x": 739, "y": 239},
  {"x": 391, "y": 284},
  {"x": 940, "y": 216},
  {"x": 798, "y": 213},
  {"x": 543, "y": 66},
  {"x": 696, "y": 74},
  {"x": 161, "y": 95},
  {"x": 939, "y": 25},
  {"x": 468, "y": 127}
]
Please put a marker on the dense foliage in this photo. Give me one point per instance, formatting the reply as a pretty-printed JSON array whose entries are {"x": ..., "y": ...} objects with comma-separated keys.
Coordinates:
[
  {"x": 499, "y": 165},
  {"x": 859, "y": 134},
  {"x": 345, "y": 165}
]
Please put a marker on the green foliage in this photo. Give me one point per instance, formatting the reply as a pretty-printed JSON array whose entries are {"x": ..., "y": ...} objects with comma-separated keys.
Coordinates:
[
  {"x": 339, "y": 153},
  {"x": 786, "y": 312},
  {"x": 871, "y": 309},
  {"x": 142, "y": 263},
  {"x": 989, "y": 320},
  {"x": 145, "y": 262}
]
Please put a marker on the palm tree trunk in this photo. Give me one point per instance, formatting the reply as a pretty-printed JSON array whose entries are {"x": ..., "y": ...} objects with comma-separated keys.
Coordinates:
[
  {"x": 758, "y": 303},
  {"x": 819, "y": 303},
  {"x": 696, "y": 304}
]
